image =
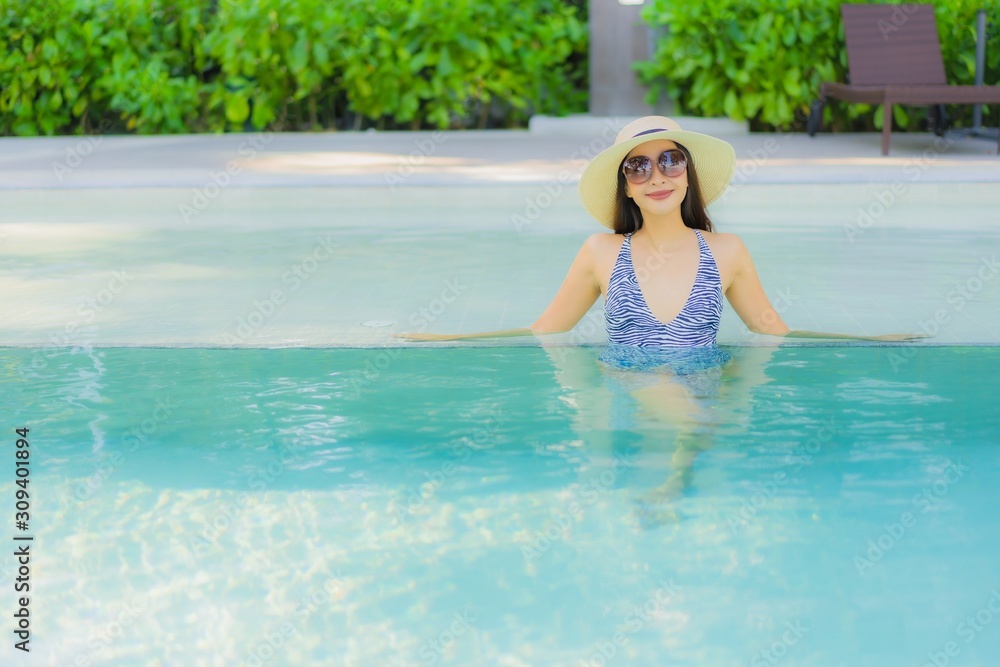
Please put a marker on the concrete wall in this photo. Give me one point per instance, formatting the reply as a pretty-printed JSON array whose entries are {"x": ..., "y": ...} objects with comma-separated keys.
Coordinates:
[{"x": 618, "y": 37}]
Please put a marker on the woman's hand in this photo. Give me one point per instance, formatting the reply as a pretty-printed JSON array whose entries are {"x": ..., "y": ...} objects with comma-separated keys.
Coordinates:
[
  {"x": 427, "y": 336},
  {"x": 840, "y": 336},
  {"x": 897, "y": 337},
  {"x": 525, "y": 331}
]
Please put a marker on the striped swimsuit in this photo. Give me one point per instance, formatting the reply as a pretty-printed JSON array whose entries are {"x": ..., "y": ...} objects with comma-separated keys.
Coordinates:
[
  {"x": 637, "y": 341},
  {"x": 630, "y": 321}
]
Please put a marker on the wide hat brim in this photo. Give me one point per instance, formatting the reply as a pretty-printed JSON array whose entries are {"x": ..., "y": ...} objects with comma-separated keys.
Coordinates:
[{"x": 714, "y": 160}]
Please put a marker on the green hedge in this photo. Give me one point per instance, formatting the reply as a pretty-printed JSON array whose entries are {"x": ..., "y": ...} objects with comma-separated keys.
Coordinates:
[
  {"x": 168, "y": 66},
  {"x": 764, "y": 60}
]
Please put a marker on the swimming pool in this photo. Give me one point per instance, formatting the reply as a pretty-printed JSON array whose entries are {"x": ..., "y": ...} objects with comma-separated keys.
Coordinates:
[
  {"x": 480, "y": 506},
  {"x": 326, "y": 266},
  {"x": 233, "y": 468}
]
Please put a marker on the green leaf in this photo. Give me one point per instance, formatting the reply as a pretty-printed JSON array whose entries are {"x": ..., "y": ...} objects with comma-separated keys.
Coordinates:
[
  {"x": 752, "y": 103},
  {"x": 900, "y": 115},
  {"x": 262, "y": 113},
  {"x": 969, "y": 61},
  {"x": 731, "y": 105},
  {"x": 783, "y": 111},
  {"x": 764, "y": 26},
  {"x": 791, "y": 82},
  {"x": 49, "y": 49},
  {"x": 807, "y": 33},
  {"x": 237, "y": 108},
  {"x": 734, "y": 32},
  {"x": 444, "y": 67},
  {"x": 417, "y": 62},
  {"x": 788, "y": 38},
  {"x": 321, "y": 53}
]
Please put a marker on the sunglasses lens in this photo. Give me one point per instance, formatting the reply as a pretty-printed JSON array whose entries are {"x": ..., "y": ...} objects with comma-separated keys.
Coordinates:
[
  {"x": 672, "y": 162},
  {"x": 638, "y": 169}
]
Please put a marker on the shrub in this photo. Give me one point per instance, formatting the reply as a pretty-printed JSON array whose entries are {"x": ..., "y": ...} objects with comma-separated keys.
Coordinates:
[
  {"x": 153, "y": 66},
  {"x": 764, "y": 60}
]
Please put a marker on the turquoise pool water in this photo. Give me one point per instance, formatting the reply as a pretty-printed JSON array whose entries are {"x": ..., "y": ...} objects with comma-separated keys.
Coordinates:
[{"x": 497, "y": 506}]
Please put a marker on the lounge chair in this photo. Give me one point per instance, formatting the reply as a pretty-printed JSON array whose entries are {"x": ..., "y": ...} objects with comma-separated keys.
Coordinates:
[{"x": 894, "y": 57}]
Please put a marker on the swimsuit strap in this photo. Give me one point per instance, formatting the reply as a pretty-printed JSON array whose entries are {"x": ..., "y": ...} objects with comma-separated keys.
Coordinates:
[{"x": 630, "y": 321}]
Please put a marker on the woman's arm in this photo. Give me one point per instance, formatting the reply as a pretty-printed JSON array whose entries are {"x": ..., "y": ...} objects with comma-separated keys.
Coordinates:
[
  {"x": 505, "y": 333},
  {"x": 747, "y": 297},
  {"x": 577, "y": 294},
  {"x": 882, "y": 337}
]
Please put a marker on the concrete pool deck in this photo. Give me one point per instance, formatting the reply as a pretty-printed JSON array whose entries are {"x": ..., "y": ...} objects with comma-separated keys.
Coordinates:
[
  {"x": 267, "y": 239},
  {"x": 536, "y": 155}
]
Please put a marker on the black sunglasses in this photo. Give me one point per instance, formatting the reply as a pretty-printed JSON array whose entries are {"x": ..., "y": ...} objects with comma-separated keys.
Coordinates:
[{"x": 672, "y": 162}]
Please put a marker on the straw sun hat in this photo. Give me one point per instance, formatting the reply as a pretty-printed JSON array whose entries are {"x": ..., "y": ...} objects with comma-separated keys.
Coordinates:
[{"x": 714, "y": 160}]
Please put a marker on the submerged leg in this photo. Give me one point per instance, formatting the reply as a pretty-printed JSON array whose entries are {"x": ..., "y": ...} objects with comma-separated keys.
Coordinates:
[{"x": 672, "y": 405}]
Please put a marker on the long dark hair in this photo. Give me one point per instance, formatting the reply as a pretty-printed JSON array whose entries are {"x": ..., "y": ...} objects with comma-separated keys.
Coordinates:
[{"x": 628, "y": 217}]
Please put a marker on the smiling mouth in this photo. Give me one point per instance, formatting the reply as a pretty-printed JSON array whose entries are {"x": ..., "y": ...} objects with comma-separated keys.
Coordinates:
[{"x": 660, "y": 195}]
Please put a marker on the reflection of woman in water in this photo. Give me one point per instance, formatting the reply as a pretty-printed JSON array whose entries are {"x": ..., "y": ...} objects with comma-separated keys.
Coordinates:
[{"x": 662, "y": 273}]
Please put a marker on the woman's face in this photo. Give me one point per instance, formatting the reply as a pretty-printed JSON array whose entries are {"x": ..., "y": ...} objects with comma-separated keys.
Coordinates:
[{"x": 657, "y": 183}]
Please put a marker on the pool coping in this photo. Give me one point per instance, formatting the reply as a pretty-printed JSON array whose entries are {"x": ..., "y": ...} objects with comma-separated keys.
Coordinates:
[{"x": 456, "y": 158}]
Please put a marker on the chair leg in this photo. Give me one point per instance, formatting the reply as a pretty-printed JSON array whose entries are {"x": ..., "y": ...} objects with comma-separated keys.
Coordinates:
[
  {"x": 815, "y": 121},
  {"x": 886, "y": 125},
  {"x": 937, "y": 119}
]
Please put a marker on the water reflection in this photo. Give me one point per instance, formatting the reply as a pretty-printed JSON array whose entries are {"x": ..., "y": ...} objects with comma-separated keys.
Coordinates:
[{"x": 662, "y": 405}]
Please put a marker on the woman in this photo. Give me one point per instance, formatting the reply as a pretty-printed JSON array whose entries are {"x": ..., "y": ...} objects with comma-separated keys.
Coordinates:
[
  {"x": 652, "y": 187},
  {"x": 663, "y": 273}
]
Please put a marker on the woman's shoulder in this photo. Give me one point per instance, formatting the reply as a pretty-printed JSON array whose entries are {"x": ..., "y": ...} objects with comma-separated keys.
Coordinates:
[
  {"x": 602, "y": 249},
  {"x": 724, "y": 242},
  {"x": 605, "y": 236},
  {"x": 600, "y": 242},
  {"x": 722, "y": 237}
]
